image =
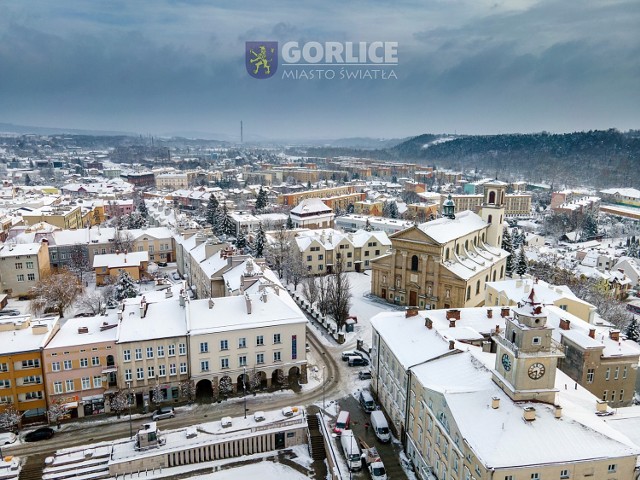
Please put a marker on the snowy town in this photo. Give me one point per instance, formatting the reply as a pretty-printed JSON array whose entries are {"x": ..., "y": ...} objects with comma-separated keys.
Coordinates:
[{"x": 232, "y": 311}]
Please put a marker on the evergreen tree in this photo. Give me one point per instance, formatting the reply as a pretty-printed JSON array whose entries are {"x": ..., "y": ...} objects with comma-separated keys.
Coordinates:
[
  {"x": 125, "y": 286},
  {"x": 258, "y": 244},
  {"x": 516, "y": 239},
  {"x": 290, "y": 225},
  {"x": 522, "y": 265},
  {"x": 507, "y": 245},
  {"x": 632, "y": 249},
  {"x": 633, "y": 330},
  {"x": 225, "y": 224},
  {"x": 241, "y": 240},
  {"x": 589, "y": 226},
  {"x": 27, "y": 180},
  {"x": 367, "y": 226},
  {"x": 142, "y": 209},
  {"x": 212, "y": 211},
  {"x": 393, "y": 210},
  {"x": 261, "y": 201}
]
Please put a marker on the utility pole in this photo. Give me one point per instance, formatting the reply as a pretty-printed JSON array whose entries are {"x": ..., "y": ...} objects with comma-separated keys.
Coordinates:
[{"x": 244, "y": 388}]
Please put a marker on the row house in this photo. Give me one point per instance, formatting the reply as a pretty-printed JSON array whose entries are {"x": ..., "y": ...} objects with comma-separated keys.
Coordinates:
[{"x": 22, "y": 266}]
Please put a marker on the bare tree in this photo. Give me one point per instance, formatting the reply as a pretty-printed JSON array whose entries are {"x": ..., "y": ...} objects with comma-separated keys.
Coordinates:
[
  {"x": 295, "y": 268},
  {"x": 56, "y": 412},
  {"x": 278, "y": 250},
  {"x": 339, "y": 294},
  {"x": 56, "y": 291},
  {"x": 79, "y": 261},
  {"x": 96, "y": 301},
  {"x": 10, "y": 418},
  {"x": 225, "y": 385},
  {"x": 119, "y": 402},
  {"x": 310, "y": 289},
  {"x": 188, "y": 389},
  {"x": 323, "y": 295},
  {"x": 123, "y": 240}
]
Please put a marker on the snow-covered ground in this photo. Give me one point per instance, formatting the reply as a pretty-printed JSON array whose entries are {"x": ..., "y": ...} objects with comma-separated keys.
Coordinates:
[{"x": 264, "y": 470}]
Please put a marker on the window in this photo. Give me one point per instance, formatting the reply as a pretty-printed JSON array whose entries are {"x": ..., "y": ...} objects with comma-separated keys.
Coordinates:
[
  {"x": 607, "y": 374},
  {"x": 21, "y": 278},
  {"x": 604, "y": 395},
  {"x": 4, "y": 367},
  {"x": 536, "y": 341},
  {"x": 149, "y": 352},
  {"x": 84, "y": 362},
  {"x": 320, "y": 257},
  {"x": 95, "y": 361},
  {"x": 172, "y": 369},
  {"x": 138, "y": 354},
  {"x": 276, "y": 338},
  {"x": 477, "y": 287},
  {"x": 29, "y": 264},
  {"x": 260, "y": 358},
  {"x": 508, "y": 477},
  {"x": 67, "y": 365},
  {"x": 160, "y": 351},
  {"x": 151, "y": 371},
  {"x": 5, "y": 383},
  {"x": 204, "y": 365},
  {"x": 309, "y": 258},
  {"x": 468, "y": 293},
  {"x": 414, "y": 263},
  {"x": 590, "y": 374},
  {"x": 259, "y": 340},
  {"x": 366, "y": 253},
  {"x": 18, "y": 266},
  {"x": 33, "y": 396},
  {"x": 86, "y": 383},
  {"x": 242, "y": 342},
  {"x": 613, "y": 395},
  {"x": 97, "y": 381},
  {"x": 616, "y": 373},
  {"x": 126, "y": 354},
  {"x": 183, "y": 368},
  {"x": 377, "y": 252},
  {"x": 31, "y": 277},
  {"x": 33, "y": 363},
  {"x": 564, "y": 473},
  {"x": 162, "y": 371},
  {"x": 69, "y": 385},
  {"x": 127, "y": 375},
  {"x": 182, "y": 349},
  {"x": 57, "y": 387},
  {"x": 320, "y": 267},
  {"x": 242, "y": 361},
  {"x": 204, "y": 347},
  {"x": 624, "y": 372},
  {"x": 55, "y": 366},
  {"x": 31, "y": 379},
  {"x": 171, "y": 350},
  {"x": 535, "y": 476},
  {"x": 611, "y": 468},
  {"x": 276, "y": 356},
  {"x": 224, "y": 363},
  {"x": 140, "y": 373}
]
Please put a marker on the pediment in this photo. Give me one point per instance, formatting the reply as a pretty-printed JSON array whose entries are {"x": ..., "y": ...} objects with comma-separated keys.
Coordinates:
[{"x": 413, "y": 235}]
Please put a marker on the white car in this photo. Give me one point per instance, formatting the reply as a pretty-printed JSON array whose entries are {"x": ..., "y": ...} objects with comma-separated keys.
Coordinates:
[{"x": 7, "y": 437}]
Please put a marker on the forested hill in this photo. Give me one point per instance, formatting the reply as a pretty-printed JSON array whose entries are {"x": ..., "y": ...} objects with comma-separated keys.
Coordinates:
[{"x": 596, "y": 158}]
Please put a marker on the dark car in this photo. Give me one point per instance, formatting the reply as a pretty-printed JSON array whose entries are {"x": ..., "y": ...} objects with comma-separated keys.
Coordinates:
[
  {"x": 44, "y": 433},
  {"x": 364, "y": 375},
  {"x": 356, "y": 361},
  {"x": 163, "y": 264}
]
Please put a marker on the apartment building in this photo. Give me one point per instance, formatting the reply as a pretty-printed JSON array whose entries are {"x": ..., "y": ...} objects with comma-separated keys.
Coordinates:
[
  {"x": 22, "y": 339},
  {"x": 293, "y": 199},
  {"x": 22, "y": 266},
  {"x": 60, "y": 215},
  {"x": 108, "y": 266},
  {"x": 516, "y": 205},
  {"x": 312, "y": 213},
  {"x": 353, "y": 222},
  {"x": 80, "y": 365},
  {"x": 158, "y": 242}
]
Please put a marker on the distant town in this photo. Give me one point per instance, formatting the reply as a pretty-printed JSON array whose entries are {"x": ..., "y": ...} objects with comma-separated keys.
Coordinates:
[{"x": 177, "y": 307}]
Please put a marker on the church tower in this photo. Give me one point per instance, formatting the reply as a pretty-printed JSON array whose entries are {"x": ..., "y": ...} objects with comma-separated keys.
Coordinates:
[
  {"x": 526, "y": 355},
  {"x": 449, "y": 208},
  {"x": 492, "y": 210}
]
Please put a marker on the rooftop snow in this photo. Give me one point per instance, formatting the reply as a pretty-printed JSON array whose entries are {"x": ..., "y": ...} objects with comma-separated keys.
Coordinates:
[{"x": 444, "y": 229}]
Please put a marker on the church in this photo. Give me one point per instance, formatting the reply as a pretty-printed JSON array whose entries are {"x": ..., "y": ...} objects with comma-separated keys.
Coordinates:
[{"x": 445, "y": 263}]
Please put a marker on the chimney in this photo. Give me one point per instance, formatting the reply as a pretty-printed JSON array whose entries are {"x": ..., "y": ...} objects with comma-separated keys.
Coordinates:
[
  {"x": 452, "y": 344},
  {"x": 486, "y": 346},
  {"x": 83, "y": 329},
  {"x": 505, "y": 312},
  {"x": 557, "y": 411},
  {"x": 211, "y": 303},
  {"x": 428, "y": 323},
  {"x": 168, "y": 293},
  {"x": 495, "y": 402},
  {"x": 592, "y": 333},
  {"x": 248, "y": 302},
  {"x": 518, "y": 283},
  {"x": 497, "y": 329},
  {"x": 489, "y": 313},
  {"x": 614, "y": 335},
  {"x": 601, "y": 406},
  {"x": 411, "y": 312},
  {"x": 565, "y": 324},
  {"x": 453, "y": 313},
  {"x": 529, "y": 414}
]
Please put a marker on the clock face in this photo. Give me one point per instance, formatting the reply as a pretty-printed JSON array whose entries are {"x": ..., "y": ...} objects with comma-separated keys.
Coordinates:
[
  {"x": 536, "y": 371},
  {"x": 506, "y": 362}
]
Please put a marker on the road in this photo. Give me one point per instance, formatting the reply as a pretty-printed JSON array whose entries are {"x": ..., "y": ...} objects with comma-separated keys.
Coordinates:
[{"x": 84, "y": 433}]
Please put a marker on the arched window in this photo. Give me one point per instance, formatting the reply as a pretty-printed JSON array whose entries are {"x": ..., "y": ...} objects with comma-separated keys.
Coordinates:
[
  {"x": 477, "y": 287},
  {"x": 482, "y": 237},
  {"x": 499, "y": 242},
  {"x": 457, "y": 249},
  {"x": 468, "y": 293},
  {"x": 492, "y": 197},
  {"x": 490, "y": 218},
  {"x": 414, "y": 263},
  {"x": 475, "y": 241},
  {"x": 446, "y": 255},
  {"x": 502, "y": 271},
  {"x": 466, "y": 244},
  {"x": 500, "y": 219},
  {"x": 494, "y": 275}
]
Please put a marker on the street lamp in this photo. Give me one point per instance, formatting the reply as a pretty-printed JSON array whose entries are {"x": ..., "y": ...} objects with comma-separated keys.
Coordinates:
[
  {"x": 129, "y": 403},
  {"x": 244, "y": 389}
]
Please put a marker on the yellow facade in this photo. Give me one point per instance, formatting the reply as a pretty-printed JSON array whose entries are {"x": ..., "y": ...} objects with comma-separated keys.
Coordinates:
[{"x": 15, "y": 368}]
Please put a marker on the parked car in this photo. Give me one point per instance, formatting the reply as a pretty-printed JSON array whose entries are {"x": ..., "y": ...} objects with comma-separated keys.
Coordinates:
[
  {"x": 9, "y": 312},
  {"x": 175, "y": 276},
  {"x": 7, "y": 437},
  {"x": 364, "y": 374},
  {"x": 163, "y": 264},
  {"x": 350, "y": 353},
  {"x": 356, "y": 361},
  {"x": 163, "y": 412},
  {"x": 44, "y": 433},
  {"x": 367, "y": 402}
]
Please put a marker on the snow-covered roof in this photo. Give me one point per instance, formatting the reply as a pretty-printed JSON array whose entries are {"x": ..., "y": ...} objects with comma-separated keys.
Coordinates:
[
  {"x": 69, "y": 335},
  {"x": 114, "y": 260},
  {"x": 163, "y": 319},
  {"x": 310, "y": 205},
  {"x": 24, "y": 334},
  {"x": 624, "y": 192},
  {"x": 444, "y": 229},
  {"x": 19, "y": 249}
]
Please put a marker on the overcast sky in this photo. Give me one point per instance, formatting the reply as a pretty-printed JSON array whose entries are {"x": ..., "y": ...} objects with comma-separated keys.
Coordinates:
[{"x": 465, "y": 66}]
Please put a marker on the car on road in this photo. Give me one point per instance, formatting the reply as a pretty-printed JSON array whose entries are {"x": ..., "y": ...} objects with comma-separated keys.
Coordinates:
[
  {"x": 350, "y": 353},
  {"x": 162, "y": 413},
  {"x": 44, "y": 433},
  {"x": 175, "y": 276},
  {"x": 364, "y": 374},
  {"x": 357, "y": 361},
  {"x": 163, "y": 264},
  {"x": 9, "y": 312},
  {"x": 7, "y": 437}
]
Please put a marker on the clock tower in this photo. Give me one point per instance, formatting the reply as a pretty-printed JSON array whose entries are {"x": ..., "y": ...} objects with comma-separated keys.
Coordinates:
[{"x": 526, "y": 355}]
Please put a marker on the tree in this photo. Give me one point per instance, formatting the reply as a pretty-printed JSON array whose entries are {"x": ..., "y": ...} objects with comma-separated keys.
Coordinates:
[
  {"x": 10, "y": 418},
  {"x": 295, "y": 267},
  {"x": 241, "y": 239},
  {"x": 310, "y": 289},
  {"x": 259, "y": 242},
  {"x": 290, "y": 225},
  {"x": 123, "y": 240},
  {"x": 156, "y": 394},
  {"x": 522, "y": 265},
  {"x": 125, "y": 286},
  {"x": 393, "y": 210},
  {"x": 261, "y": 200},
  {"x": 367, "y": 226},
  {"x": 79, "y": 261},
  {"x": 56, "y": 291},
  {"x": 27, "y": 180},
  {"x": 589, "y": 226},
  {"x": 95, "y": 301},
  {"x": 339, "y": 294},
  {"x": 225, "y": 223},
  {"x": 277, "y": 251},
  {"x": 508, "y": 247},
  {"x": 119, "y": 402},
  {"x": 212, "y": 212},
  {"x": 633, "y": 330},
  {"x": 142, "y": 209},
  {"x": 188, "y": 390},
  {"x": 323, "y": 295},
  {"x": 225, "y": 386}
]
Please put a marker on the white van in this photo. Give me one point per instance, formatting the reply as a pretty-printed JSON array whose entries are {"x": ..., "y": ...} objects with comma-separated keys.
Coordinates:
[
  {"x": 380, "y": 426},
  {"x": 351, "y": 450},
  {"x": 342, "y": 423}
]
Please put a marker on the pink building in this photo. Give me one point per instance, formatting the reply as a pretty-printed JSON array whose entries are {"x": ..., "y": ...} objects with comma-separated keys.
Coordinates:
[
  {"x": 114, "y": 208},
  {"x": 79, "y": 365}
]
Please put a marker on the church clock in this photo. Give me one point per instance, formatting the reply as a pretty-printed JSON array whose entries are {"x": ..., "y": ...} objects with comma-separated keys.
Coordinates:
[
  {"x": 536, "y": 371},
  {"x": 506, "y": 362}
]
